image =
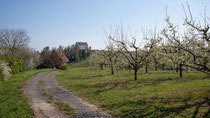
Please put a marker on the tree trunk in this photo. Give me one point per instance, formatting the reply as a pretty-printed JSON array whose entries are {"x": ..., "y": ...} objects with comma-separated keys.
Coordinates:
[
  {"x": 146, "y": 68},
  {"x": 156, "y": 67},
  {"x": 101, "y": 66},
  {"x": 163, "y": 67},
  {"x": 112, "y": 70},
  {"x": 135, "y": 74},
  {"x": 180, "y": 70},
  {"x": 177, "y": 69}
]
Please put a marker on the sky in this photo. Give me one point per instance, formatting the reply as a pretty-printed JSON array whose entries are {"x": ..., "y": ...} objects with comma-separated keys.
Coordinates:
[{"x": 65, "y": 22}]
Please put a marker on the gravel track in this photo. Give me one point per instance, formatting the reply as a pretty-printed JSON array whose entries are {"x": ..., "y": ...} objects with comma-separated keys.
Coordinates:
[{"x": 45, "y": 82}]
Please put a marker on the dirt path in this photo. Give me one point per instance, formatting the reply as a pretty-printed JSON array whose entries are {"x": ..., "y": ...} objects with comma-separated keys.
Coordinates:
[{"x": 44, "y": 84}]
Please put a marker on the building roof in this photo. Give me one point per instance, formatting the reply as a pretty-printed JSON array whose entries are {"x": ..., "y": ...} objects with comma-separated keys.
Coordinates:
[{"x": 81, "y": 43}]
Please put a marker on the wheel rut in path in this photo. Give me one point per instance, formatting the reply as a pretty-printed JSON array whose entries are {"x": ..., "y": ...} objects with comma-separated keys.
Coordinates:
[{"x": 45, "y": 83}]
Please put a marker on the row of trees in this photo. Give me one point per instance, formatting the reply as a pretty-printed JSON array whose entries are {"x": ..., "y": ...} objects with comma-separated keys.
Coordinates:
[
  {"x": 168, "y": 48},
  {"x": 54, "y": 58},
  {"x": 73, "y": 53}
]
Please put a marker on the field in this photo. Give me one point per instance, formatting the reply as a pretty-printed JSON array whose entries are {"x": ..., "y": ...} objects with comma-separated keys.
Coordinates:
[
  {"x": 13, "y": 103},
  {"x": 156, "y": 94}
]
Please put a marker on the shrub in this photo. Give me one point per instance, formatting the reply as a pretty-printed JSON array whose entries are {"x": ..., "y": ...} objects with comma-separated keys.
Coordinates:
[
  {"x": 14, "y": 67},
  {"x": 4, "y": 71},
  {"x": 41, "y": 66},
  {"x": 30, "y": 57},
  {"x": 65, "y": 67},
  {"x": 1, "y": 75},
  {"x": 21, "y": 66}
]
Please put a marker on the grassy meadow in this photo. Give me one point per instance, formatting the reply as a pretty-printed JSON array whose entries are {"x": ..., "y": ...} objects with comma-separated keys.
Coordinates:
[
  {"x": 13, "y": 103},
  {"x": 156, "y": 94}
]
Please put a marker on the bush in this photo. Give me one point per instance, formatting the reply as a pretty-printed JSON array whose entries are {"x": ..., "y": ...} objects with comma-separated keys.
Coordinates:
[
  {"x": 56, "y": 58},
  {"x": 65, "y": 67},
  {"x": 41, "y": 66},
  {"x": 21, "y": 66},
  {"x": 4, "y": 71},
  {"x": 16, "y": 66},
  {"x": 1, "y": 75}
]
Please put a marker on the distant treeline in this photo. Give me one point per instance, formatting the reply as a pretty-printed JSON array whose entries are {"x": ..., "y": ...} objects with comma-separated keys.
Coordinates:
[{"x": 73, "y": 53}]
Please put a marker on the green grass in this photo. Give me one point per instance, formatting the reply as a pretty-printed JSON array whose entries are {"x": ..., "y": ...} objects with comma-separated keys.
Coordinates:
[
  {"x": 65, "y": 107},
  {"x": 60, "y": 105},
  {"x": 156, "y": 94},
  {"x": 13, "y": 103}
]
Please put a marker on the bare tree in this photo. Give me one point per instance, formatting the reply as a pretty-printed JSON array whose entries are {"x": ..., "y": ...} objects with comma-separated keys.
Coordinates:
[
  {"x": 111, "y": 55},
  {"x": 11, "y": 41},
  {"x": 127, "y": 46}
]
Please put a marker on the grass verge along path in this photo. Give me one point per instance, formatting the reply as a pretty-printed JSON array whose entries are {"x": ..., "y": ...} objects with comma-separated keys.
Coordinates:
[{"x": 13, "y": 103}]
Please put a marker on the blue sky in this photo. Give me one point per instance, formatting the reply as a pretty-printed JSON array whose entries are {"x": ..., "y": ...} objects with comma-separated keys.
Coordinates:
[{"x": 63, "y": 22}]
